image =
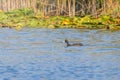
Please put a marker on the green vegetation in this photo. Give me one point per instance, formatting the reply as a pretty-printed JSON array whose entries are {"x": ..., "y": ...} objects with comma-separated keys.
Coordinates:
[
  {"x": 27, "y": 18},
  {"x": 91, "y": 14}
]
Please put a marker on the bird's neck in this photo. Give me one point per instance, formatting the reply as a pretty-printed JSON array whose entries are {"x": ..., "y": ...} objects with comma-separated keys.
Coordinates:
[{"x": 67, "y": 43}]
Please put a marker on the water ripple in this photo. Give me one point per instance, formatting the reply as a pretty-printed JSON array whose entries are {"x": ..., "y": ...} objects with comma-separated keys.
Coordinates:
[{"x": 41, "y": 54}]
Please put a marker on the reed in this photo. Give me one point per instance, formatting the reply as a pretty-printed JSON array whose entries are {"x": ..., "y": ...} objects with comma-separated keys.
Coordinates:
[{"x": 70, "y": 8}]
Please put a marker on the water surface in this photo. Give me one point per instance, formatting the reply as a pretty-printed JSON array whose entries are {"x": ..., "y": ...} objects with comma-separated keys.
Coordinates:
[{"x": 41, "y": 54}]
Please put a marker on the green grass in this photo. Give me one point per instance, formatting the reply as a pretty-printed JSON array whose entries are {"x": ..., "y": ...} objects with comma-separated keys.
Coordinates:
[{"x": 27, "y": 18}]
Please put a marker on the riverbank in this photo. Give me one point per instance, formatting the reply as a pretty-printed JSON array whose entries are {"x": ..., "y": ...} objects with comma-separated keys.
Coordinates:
[{"x": 27, "y": 18}]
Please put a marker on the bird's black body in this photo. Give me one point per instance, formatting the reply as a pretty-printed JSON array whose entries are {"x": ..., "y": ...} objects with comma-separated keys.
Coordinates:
[{"x": 76, "y": 44}]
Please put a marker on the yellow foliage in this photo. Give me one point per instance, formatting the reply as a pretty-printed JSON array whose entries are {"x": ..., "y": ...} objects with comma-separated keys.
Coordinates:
[
  {"x": 115, "y": 28},
  {"x": 99, "y": 19},
  {"x": 46, "y": 17},
  {"x": 85, "y": 19},
  {"x": 37, "y": 16},
  {"x": 51, "y": 26},
  {"x": 66, "y": 22},
  {"x": 18, "y": 27},
  {"x": 1, "y": 11},
  {"x": 117, "y": 21}
]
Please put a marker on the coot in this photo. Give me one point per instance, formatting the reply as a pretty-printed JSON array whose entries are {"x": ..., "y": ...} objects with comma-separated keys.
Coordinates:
[{"x": 76, "y": 44}]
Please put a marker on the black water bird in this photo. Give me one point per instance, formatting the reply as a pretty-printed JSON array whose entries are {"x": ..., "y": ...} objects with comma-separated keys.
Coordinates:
[{"x": 76, "y": 44}]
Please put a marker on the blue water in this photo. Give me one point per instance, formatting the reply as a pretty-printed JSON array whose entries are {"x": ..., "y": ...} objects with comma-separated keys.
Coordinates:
[{"x": 41, "y": 54}]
